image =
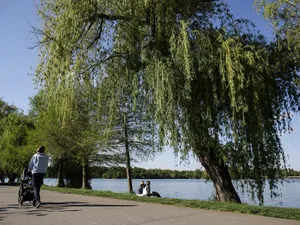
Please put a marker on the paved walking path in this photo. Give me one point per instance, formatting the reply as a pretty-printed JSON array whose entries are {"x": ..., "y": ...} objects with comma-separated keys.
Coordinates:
[{"x": 69, "y": 209}]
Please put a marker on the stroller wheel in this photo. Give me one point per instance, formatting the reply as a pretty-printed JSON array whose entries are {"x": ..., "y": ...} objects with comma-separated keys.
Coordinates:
[{"x": 20, "y": 201}]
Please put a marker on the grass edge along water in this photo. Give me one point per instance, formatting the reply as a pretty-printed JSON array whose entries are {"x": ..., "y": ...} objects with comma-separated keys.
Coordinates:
[{"x": 276, "y": 212}]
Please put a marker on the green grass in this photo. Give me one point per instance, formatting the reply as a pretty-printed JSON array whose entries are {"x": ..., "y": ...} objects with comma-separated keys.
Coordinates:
[{"x": 285, "y": 213}]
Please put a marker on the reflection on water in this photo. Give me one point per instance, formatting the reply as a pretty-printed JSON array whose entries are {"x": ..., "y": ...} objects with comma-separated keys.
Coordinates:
[{"x": 199, "y": 189}]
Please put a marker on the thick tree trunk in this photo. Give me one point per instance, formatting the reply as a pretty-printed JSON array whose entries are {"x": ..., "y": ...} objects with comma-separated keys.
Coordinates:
[
  {"x": 219, "y": 174},
  {"x": 128, "y": 166},
  {"x": 73, "y": 174},
  {"x": 60, "y": 182}
]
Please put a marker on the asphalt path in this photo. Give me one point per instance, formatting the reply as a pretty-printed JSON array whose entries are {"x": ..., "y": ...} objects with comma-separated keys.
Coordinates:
[{"x": 69, "y": 209}]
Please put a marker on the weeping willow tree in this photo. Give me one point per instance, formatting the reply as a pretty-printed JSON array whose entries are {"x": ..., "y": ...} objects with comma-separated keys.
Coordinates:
[
  {"x": 284, "y": 16},
  {"x": 210, "y": 81}
]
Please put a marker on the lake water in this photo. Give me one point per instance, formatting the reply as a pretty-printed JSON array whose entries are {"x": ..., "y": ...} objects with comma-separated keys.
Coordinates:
[{"x": 199, "y": 189}]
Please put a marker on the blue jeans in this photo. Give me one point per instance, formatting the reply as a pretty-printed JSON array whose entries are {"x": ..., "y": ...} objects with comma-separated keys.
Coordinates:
[{"x": 37, "y": 181}]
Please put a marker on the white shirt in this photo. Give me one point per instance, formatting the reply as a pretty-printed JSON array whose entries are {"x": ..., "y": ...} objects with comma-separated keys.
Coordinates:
[{"x": 144, "y": 191}]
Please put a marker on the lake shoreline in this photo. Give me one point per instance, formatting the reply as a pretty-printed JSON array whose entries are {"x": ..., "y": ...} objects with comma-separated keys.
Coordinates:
[{"x": 200, "y": 190}]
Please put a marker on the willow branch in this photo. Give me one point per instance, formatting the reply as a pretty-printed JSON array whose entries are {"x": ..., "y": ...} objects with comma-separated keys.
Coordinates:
[
  {"x": 293, "y": 5},
  {"x": 104, "y": 60},
  {"x": 98, "y": 36}
]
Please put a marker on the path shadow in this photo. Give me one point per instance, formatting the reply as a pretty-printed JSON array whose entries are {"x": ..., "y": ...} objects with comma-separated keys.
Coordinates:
[
  {"x": 52, "y": 207},
  {"x": 61, "y": 207},
  {"x": 29, "y": 210},
  {"x": 63, "y": 203},
  {"x": 3, "y": 210},
  {"x": 58, "y": 205},
  {"x": 82, "y": 204}
]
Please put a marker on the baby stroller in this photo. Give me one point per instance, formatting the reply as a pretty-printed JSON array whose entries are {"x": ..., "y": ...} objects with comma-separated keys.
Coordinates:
[{"x": 26, "y": 190}]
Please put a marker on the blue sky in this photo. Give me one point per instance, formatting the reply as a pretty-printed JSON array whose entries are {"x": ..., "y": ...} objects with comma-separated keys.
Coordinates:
[{"x": 17, "y": 62}]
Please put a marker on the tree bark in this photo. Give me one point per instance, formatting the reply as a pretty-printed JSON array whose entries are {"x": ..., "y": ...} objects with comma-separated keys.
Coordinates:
[
  {"x": 60, "y": 182},
  {"x": 2, "y": 176},
  {"x": 85, "y": 177},
  {"x": 219, "y": 174},
  {"x": 128, "y": 166},
  {"x": 128, "y": 171}
]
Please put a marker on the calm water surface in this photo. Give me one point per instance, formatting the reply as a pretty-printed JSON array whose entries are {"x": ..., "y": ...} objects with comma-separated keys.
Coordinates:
[{"x": 199, "y": 189}]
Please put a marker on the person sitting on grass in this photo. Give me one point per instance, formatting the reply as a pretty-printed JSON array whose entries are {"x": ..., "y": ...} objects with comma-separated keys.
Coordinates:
[
  {"x": 148, "y": 191},
  {"x": 148, "y": 188},
  {"x": 141, "y": 188},
  {"x": 145, "y": 190}
]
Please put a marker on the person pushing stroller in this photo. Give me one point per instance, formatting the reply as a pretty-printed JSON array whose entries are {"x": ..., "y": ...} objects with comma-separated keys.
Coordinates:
[{"x": 38, "y": 166}]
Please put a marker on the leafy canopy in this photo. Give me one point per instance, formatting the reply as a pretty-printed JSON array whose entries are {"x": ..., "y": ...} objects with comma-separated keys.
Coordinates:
[{"x": 211, "y": 82}]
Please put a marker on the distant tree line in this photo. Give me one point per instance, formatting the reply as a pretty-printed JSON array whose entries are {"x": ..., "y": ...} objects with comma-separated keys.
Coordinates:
[
  {"x": 292, "y": 172},
  {"x": 118, "y": 172}
]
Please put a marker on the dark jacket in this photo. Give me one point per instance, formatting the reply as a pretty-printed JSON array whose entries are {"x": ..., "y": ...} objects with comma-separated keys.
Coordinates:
[{"x": 140, "y": 190}]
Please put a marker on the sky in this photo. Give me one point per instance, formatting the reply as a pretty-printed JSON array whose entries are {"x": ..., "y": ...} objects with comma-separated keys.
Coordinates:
[{"x": 18, "y": 62}]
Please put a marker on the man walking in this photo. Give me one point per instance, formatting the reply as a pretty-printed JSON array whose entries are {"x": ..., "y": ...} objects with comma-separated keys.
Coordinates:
[{"x": 38, "y": 166}]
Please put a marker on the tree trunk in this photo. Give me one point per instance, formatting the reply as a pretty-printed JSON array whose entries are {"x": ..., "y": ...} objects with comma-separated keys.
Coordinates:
[
  {"x": 128, "y": 166},
  {"x": 128, "y": 171},
  {"x": 73, "y": 174},
  {"x": 2, "y": 176},
  {"x": 85, "y": 178},
  {"x": 60, "y": 182},
  {"x": 219, "y": 174}
]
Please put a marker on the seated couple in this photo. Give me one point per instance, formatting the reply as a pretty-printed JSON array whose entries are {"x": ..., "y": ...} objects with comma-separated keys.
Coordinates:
[{"x": 145, "y": 190}]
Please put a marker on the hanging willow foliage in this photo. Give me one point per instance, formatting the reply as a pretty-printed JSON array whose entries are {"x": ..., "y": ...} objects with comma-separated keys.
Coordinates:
[
  {"x": 215, "y": 86},
  {"x": 284, "y": 16}
]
